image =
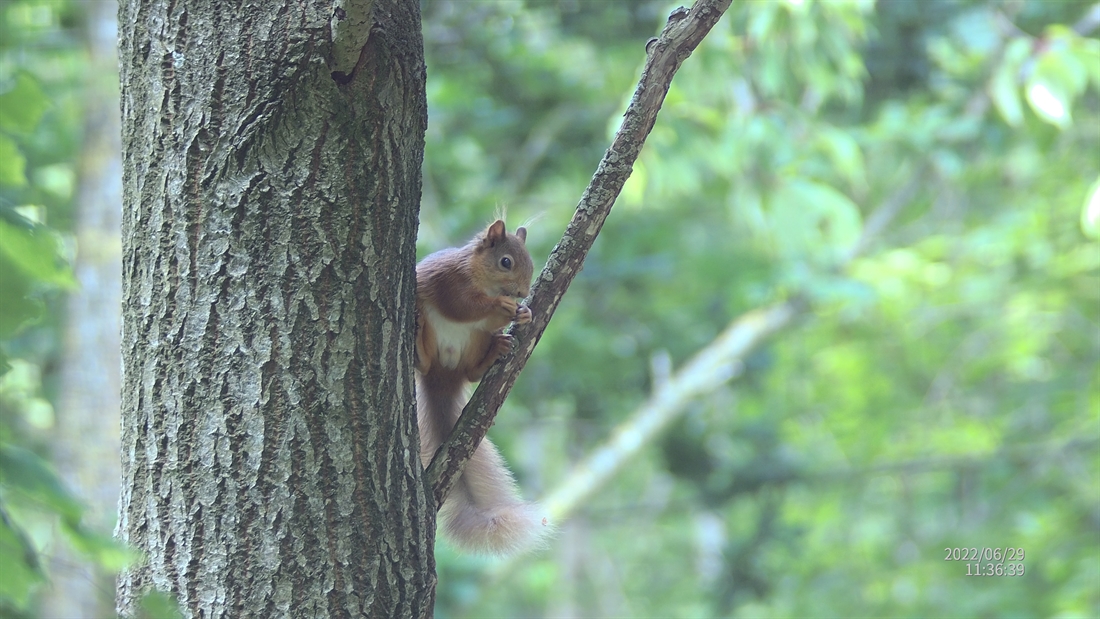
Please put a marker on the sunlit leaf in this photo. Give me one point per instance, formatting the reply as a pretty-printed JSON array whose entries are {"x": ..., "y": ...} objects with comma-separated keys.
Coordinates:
[
  {"x": 22, "y": 106},
  {"x": 1058, "y": 77},
  {"x": 58, "y": 180},
  {"x": 37, "y": 251},
  {"x": 1090, "y": 213},
  {"x": 1004, "y": 91},
  {"x": 1049, "y": 102}
]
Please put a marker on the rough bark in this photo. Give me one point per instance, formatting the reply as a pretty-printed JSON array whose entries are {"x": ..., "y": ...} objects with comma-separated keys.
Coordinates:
[
  {"x": 270, "y": 459},
  {"x": 85, "y": 447}
]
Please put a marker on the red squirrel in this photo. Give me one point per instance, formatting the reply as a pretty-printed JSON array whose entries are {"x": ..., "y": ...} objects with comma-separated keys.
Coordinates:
[{"x": 465, "y": 297}]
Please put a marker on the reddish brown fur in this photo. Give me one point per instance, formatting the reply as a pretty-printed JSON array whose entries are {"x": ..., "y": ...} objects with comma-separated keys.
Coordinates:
[{"x": 464, "y": 298}]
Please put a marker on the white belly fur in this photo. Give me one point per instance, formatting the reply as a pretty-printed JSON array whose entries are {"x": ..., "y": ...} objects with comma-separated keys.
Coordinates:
[{"x": 451, "y": 338}]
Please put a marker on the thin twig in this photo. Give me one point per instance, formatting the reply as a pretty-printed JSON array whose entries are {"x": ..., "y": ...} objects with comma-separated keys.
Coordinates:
[{"x": 682, "y": 34}]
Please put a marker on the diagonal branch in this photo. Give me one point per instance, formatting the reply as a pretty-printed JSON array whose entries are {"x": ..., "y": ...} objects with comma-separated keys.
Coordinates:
[
  {"x": 720, "y": 361},
  {"x": 682, "y": 34}
]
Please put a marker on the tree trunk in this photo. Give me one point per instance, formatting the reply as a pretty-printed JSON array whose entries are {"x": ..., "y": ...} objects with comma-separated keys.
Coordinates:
[{"x": 271, "y": 190}]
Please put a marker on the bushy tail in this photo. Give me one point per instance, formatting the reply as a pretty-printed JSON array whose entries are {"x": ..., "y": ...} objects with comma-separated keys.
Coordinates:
[{"x": 484, "y": 512}]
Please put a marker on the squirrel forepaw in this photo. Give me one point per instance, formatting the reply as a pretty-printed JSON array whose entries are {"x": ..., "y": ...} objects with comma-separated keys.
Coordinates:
[
  {"x": 523, "y": 315},
  {"x": 507, "y": 307}
]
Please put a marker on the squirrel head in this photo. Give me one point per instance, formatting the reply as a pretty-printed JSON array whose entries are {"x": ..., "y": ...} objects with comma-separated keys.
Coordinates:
[{"x": 501, "y": 261}]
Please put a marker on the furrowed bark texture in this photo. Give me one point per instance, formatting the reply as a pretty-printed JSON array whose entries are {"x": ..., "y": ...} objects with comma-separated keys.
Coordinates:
[
  {"x": 682, "y": 34},
  {"x": 270, "y": 459}
]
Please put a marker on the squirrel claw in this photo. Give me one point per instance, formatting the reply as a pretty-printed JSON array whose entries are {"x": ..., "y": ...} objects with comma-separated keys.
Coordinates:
[
  {"x": 502, "y": 345},
  {"x": 523, "y": 315}
]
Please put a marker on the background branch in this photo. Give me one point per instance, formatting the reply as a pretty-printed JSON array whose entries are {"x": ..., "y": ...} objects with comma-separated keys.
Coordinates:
[
  {"x": 714, "y": 365},
  {"x": 706, "y": 371},
  {"x": 975, "y": 460},
  {"x": 682, "y": 34}
]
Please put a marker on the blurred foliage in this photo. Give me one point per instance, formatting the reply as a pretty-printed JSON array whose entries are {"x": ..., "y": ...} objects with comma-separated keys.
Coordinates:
[
  {"x": 943, "y": 391},
  {"x": 41, "y": 63}
]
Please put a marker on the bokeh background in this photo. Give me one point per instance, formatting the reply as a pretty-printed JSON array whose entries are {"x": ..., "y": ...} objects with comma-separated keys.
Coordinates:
[{"x": 843, "y": 319}]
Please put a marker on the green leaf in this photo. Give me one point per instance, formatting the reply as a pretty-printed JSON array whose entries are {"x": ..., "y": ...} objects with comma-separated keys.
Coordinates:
[
  {"x": 1049, "y": 100},
  {"x": 12, "y": 164},
  {"x": 23, "y": 471},
  {"x": 1004, "y": 91},
  {"x": 17, "y": 307},
  {"x": 18, "y": 564},
  {"x": 1061, "y": 61},
  {"x": 1017, "y": 51},
  {"x": 158, "y": 605},
  {"x": 810, "y": 218},
  {"x": 105, "y": 550},
  {"x": 1057, "y": 79},
  {"x": 58, "y": 180},
  {"x": 1062, "y": 57},
  {"x": 1090, "y": 213},
  {"x": 36, "y": 250},
  {"x": 844, "y": 152},
  {"x": 22, "y": 106}
]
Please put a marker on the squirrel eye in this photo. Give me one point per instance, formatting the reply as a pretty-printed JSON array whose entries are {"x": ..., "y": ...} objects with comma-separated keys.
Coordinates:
[{"x": 506, "y": 262}]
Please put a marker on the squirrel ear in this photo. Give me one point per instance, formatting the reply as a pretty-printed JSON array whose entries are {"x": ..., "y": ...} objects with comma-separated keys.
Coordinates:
[
  {"x": 521, "y": 232},
  {"x": 495, "y": 233}
]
